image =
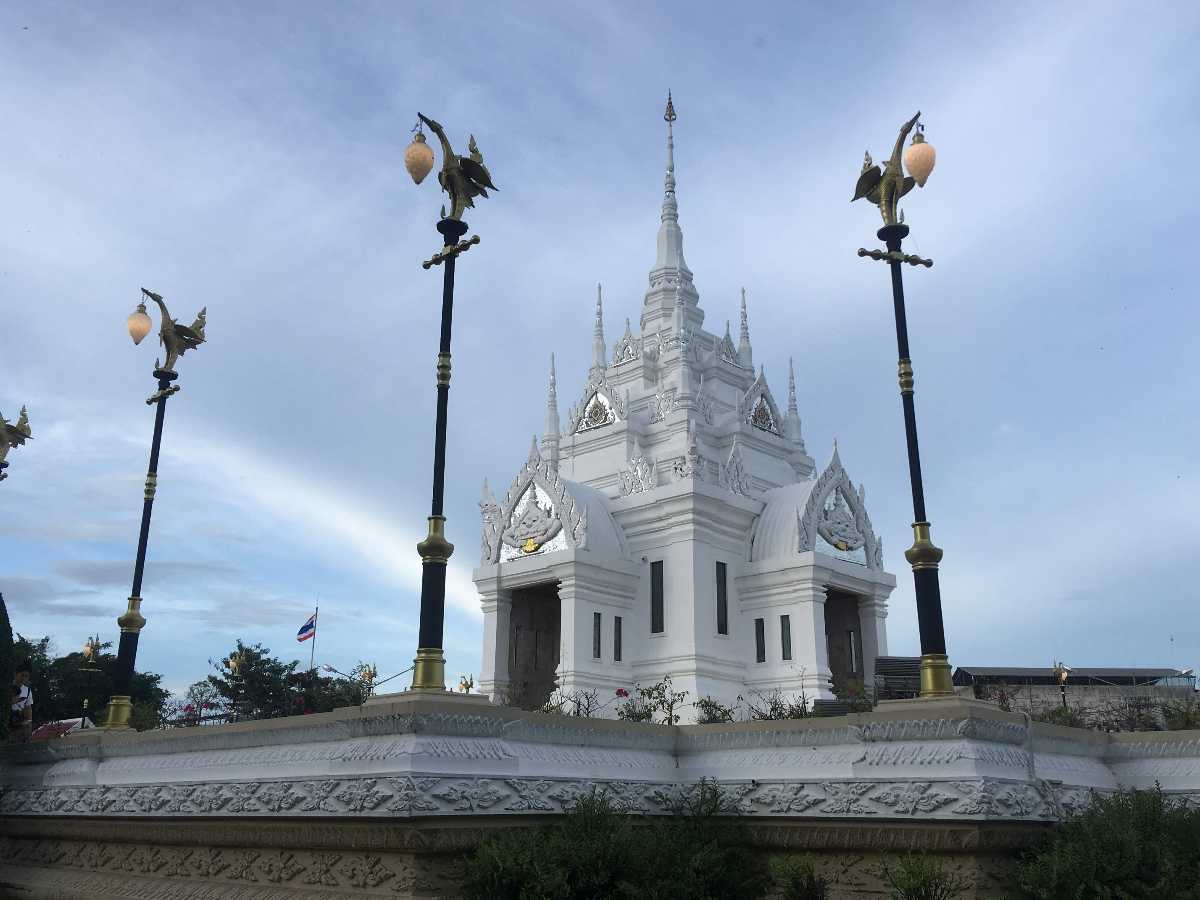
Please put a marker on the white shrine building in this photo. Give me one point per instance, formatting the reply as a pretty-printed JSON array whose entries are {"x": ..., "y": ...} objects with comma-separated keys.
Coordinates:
[{"x": 677, "y": 526}]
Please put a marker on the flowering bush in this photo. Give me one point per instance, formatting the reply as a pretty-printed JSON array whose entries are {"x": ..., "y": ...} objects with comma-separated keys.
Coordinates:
[{"x": 658, "y": 699}]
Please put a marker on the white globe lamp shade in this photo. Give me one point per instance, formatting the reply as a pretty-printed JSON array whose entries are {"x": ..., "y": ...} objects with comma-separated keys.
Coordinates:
[
  {"x": 139, "y": 323},
  {"x": 919, "y": 159},
  {"x": 418, "y": 158}
]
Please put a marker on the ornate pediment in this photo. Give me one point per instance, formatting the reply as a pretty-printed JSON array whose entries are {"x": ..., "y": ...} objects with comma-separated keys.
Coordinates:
[
  {"x": 600, "y": 407},
  {"x": 536, "y": 516},
  {"x": 758, "y": 408},
  {"x": 835, "y": 520}
]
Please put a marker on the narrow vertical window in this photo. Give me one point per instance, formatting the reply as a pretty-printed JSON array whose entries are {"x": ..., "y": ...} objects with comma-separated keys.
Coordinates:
[
  {"x": 722, "y": 601},
  {"x": 595, "y": 635},
  {"x": 850, "y": 638},
  {"x": 616, "y": 638},
  {"x": 656, "y": 597},
  {"x": 785, "y": 636},
  {"x": 760, "y": 640}
]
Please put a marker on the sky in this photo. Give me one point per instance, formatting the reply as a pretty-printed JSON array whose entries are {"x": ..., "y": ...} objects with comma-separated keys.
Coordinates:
[{"x": 247, "y": 158}]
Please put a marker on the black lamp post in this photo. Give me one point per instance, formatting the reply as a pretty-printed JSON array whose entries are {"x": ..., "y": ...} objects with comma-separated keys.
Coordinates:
[
  {"x": 176, "y": 339},
  {"x": 885, "y": 188},
  {"x": 463, "y": 178}
]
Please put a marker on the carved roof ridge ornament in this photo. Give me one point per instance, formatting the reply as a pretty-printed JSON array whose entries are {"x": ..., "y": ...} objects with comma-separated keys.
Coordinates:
[
  {"x": 846, "y": 526},
  {"x": 640, "y": 476},
  {"x": 734, "y": 476},
  {"x": 537, "y": 515},
  {"x": 703, "y": 403},
  {"x": 725, "y": 348},
  {"x": 691, "y": 464},
  {"x": 628, "y": 348}
]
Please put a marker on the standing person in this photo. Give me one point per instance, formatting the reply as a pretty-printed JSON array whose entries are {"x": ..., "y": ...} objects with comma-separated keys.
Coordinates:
[{"x": 20, "y": 721}]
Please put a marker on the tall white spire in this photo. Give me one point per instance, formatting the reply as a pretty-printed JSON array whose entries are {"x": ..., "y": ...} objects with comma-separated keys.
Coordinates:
[
  {"x": 550, "y": 437},
  {"x": 670, "y": 272},
  {"x": 745, "y": 354},
  {"x": 793, "y": 412},
  {"x": 599, "y": 351},
  {"x": 670, "y": 208}
]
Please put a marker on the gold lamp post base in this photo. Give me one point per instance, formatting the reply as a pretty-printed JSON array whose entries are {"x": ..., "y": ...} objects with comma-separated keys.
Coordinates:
[
  {"x": 935, "y": 676},
  {"x": 429, "y": 670},
  {"x": 120, "y": 711}
]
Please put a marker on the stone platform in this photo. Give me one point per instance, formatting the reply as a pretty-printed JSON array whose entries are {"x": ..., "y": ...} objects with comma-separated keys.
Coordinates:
[{"x": 382, "y": 800}]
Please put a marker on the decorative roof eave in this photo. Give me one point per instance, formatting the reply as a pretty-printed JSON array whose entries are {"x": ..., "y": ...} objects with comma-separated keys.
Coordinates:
[
  {"x": 496, "y": 516},
  {"x": 809, "y": 521}
]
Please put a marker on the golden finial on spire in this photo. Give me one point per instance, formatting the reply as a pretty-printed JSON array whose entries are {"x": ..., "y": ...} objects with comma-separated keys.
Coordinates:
[{"x": 669, "y": 115}]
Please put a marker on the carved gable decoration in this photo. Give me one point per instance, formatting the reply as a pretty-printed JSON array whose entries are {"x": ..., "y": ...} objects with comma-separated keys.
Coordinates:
[
  {"x": 536, "y": 516},
  {"x": 761, "y": 417},
  {"x": 758, "y": 408},
  {"x": 600, "y": 407},
  {"x": 835, "y": 521},
  {"x": 533, "y": 525}
]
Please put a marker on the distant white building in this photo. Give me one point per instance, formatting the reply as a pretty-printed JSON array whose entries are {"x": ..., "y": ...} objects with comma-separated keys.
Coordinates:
[{"x": 676, "y": 525}]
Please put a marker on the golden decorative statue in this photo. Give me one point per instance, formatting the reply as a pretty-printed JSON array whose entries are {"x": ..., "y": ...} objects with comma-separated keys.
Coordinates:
[
  {"x": 176, "y": 338},
  {"x": 462, "y": 177},
  {"x": 885, "y": 188},
  {"x": 12, "y": 435}
]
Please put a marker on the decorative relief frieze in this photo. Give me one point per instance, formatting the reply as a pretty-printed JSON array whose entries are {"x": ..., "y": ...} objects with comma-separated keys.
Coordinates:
[{"x": 446, "y": 795}]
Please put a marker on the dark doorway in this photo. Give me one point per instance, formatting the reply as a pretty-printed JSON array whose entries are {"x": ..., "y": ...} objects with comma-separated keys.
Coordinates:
[
  {"x": 843, "y": 637},
  {"x": 533, "y": 645}
]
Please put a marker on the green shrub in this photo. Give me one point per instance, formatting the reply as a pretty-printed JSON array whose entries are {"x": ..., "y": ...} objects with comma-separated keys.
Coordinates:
[
  {"x": 596, "y": 852},
  {"x": 775, "y": 704},
  {"x": 1182, "y": 715},
  {"x": 920, "y": 877},
  {"x": 711, "y": 711},
  {"x": 1061, "y": 715},
  {"x": 797, "y": 879},
  {"x": 1130, "y": 844}
]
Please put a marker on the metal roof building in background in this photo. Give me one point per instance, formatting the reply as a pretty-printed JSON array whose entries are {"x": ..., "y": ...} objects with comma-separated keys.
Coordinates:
[{"x": 966, "y": 676}]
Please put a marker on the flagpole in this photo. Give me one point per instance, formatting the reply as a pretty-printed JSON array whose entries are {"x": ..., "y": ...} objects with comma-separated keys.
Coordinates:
[{"x": 312, "y": 656}]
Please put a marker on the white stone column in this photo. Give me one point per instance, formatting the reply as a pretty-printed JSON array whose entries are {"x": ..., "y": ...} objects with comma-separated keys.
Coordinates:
[
  {"x": 808, "y": 643},
  {"x": 872, "y": 613},
  {"x": 494, "y": 678},
  {"x": 575, "y": 634}
]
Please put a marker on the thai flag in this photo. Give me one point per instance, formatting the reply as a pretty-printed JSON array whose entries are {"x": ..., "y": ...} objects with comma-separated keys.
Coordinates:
[{"x": 308, "y": 629}]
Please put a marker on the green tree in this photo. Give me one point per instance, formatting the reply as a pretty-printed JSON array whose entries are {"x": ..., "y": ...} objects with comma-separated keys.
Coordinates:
[
  {"x": 7, "y": 662},
  {"x": 65, "y": 686},
  {"x": 252, "y": 684}
]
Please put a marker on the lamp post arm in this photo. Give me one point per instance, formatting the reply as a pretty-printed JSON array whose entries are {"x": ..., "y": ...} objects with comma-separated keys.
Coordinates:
[
  {"x": 447, "y": 153},
  {"x": 893, "y": 165}
]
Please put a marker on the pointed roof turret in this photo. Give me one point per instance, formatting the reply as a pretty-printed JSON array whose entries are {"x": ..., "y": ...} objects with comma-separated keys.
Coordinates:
[
  {"x": 599, "y": 351},
  {"x": 670, "y": 271},
  {"x": 534, "y": 454},
  {"x": 793, "y": 411},
  {"x": 550, "y": 438},
  {"x": 745, "y": 354}
]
